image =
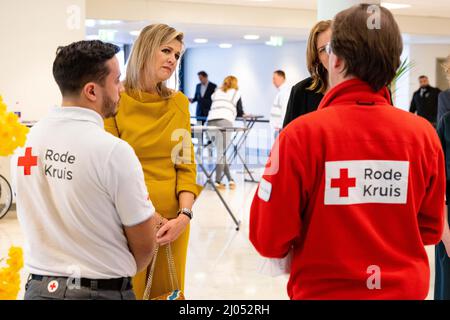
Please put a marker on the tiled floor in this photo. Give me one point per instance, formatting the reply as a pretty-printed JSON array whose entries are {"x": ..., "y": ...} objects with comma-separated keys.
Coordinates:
[{"x": 222, "y": 263}]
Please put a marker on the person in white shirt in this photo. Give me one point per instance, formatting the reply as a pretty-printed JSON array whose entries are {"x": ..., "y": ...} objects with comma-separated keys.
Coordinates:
[
  {"x": 226, "y": 106},
  {"x": 278, "y": 111},
  {"x": 81, "y": 198}
]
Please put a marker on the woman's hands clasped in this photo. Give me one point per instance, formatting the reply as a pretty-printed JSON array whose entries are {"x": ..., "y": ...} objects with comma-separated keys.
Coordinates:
[{"x": 170, "y": 230}]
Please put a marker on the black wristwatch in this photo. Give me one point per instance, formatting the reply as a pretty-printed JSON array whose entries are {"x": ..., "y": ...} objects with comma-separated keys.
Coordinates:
[{"x": 186, "y": 212}]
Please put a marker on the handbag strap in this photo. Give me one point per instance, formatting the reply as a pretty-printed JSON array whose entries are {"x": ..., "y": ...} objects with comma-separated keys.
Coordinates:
[
  {"x": 150, "y": 274},
  {"x": 172, "y": 271}
]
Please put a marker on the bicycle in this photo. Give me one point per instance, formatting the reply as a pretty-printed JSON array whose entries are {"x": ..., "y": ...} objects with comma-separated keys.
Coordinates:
[{"x": 6, "y": 196}]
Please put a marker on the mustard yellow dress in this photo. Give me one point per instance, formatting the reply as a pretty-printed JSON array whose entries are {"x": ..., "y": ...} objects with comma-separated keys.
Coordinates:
[{"x": 159, "y": 132}]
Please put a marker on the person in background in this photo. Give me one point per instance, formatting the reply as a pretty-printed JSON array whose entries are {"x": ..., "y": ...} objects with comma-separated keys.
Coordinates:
[
  {"x": 442, "y": 259},
  {"x": 226, "y": 106},
  {"x": 278, "y": 111},
  {"x": 444, "y": 96},
  {"x": 155, "y": 121},
  {"x": 81, "y": 197},
  {"x": 306, "y": 95},
  {"x": 202, "y": 96},
  {"x": 425, "y": 101},
  {"x": 355, "y": 203}
]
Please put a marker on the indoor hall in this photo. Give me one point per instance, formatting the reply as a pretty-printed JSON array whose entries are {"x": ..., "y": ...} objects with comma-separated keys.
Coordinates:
[{"x": 249, "y": 40}]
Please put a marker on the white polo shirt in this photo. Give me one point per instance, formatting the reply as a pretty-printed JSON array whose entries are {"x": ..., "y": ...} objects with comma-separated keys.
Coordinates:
[
  {"x": 76, "y": 187},
  {"x": 278, "y": 111}
]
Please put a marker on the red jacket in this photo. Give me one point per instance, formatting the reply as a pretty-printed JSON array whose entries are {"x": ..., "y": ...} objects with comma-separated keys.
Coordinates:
[{"x": 356, "y": 189}]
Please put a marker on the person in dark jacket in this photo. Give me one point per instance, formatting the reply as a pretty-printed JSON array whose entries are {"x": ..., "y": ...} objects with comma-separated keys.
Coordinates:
[
  {"x": 425, "y": 101},
  {"x": 442, "y": 260},
  {"x": 203, "y": 93},
  {"x": 443, "y": 104},
  {"x": 307, "y": 94}
]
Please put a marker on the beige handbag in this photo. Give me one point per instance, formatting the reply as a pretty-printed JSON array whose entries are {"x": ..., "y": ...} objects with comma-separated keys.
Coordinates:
[{"x": 176, "y": 293}]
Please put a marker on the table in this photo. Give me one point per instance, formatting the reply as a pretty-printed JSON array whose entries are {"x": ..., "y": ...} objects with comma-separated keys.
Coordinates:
[
  {"x": 249, "y": 121},
  {"x": 202, "y": 129}
]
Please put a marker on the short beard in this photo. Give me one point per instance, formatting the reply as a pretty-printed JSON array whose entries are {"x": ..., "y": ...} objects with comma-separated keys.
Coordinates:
[{"x": 109, "y": 108}]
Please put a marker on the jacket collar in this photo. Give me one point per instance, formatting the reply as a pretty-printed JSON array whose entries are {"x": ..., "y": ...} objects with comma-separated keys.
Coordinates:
[
  {"x": 77, "y": 113},
  {"x": 355, "y": 91}
]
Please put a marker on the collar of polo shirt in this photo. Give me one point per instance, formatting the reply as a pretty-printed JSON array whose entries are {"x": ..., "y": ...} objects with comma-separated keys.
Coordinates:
[{"x": 77, "y": 113}]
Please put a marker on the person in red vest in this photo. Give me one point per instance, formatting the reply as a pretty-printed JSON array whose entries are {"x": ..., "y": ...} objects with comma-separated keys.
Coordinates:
[{"x": 355, "y": 190}]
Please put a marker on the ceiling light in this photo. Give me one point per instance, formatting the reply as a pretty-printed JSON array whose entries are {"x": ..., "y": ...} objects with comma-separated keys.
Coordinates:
[
  {"x": 393, "y": 6},
  {"x": 251, "y": 37},
  {"x": 201, "y": 40},
  {"x": 135, "y": 33},
  {"x": 225, "y": 45}
]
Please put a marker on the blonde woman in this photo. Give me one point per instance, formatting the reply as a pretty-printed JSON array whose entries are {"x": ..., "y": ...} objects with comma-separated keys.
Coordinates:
[
  {"x": 307, "y": 94},
  {"x": 155, "y": 121},
  {"x": 226, "y": 106}
]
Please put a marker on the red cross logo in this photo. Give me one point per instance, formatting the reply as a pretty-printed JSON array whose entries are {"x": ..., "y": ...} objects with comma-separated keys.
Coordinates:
[
  {"x": 27, "y": 162},
  {"x": 343, "y": 183},
  {"x": 53, "y": 286}
]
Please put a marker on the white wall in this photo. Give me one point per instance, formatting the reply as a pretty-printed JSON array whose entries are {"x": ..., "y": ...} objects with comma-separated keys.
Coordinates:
[
  {"x": 424, "y": 56},
  {"x": 30, "y": 32},
  {"x": 253, "y": 65},
  {"x": 402, "y": 88}
]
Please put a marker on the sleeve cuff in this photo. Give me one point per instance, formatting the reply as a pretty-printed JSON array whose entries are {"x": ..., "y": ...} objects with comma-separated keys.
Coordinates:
[
  {"x": 144, "y": 216},
  {"x": 192, "y": 187}
]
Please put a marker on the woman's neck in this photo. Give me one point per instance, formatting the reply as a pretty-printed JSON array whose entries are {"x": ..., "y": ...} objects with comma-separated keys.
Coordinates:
[{"x": 151, "y": 88}]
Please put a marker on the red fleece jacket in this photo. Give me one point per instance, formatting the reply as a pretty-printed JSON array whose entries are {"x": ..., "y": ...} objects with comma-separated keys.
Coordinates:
[{"x": 356, "y": 189}]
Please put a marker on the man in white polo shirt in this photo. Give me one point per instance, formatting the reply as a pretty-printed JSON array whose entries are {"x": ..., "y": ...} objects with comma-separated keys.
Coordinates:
[{"x": 81, "y": 198}]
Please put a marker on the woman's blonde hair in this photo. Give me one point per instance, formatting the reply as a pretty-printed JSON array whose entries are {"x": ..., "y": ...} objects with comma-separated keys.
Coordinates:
[
  {"x": 318, "y": 72},
  {"x": 230, "y": 82},
  {"x": 147, "y": 44}
]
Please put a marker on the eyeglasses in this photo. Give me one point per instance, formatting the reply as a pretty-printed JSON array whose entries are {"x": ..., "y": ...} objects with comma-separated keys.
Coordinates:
[
  {"x": 328, "y": 48},
  {"x": 325, "y": 49}
]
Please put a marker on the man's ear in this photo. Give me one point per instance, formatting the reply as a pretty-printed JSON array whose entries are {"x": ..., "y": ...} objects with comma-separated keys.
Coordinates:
[
  {"x": 338, "y": 64},
  {"x": 89, "y": 91}
]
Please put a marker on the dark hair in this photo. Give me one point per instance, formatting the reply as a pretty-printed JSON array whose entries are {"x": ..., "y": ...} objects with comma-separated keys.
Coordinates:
[
  {"x": 82, "y": 62},
  {"x": 280, "y": 73},
  {"x": 422, "y": 76},
  {"x": 203, "y": 74},
  {"x": 371, "y": 53}
]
